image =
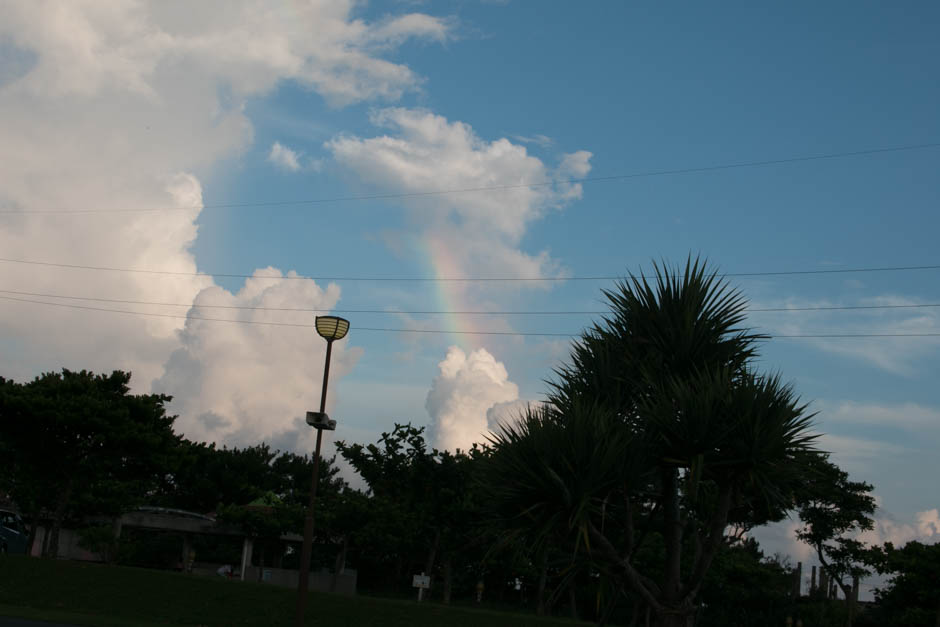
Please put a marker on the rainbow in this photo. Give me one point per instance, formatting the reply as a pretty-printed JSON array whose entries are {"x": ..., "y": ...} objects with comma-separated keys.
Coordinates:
[{"x": 448, "y": 295}]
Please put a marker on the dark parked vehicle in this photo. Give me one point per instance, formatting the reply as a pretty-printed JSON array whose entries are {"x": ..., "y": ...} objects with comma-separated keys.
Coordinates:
[{"x": 13, "y": 534}]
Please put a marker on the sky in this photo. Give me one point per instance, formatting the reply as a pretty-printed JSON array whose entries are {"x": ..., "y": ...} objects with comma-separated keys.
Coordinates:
[{"x": 221, "y": 170}]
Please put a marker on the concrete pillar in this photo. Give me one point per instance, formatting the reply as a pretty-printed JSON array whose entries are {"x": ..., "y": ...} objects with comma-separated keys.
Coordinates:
[
  {"x": 246, "y": 556},
  {"x": 188, "y": 553},
  {"x": 812, "y": 582},
  {"x": 117, "y": 526},
  {"x": 797, "y": 579},
  {"x": 115, "y": 545},
  {"x": 855, "y": 584}
]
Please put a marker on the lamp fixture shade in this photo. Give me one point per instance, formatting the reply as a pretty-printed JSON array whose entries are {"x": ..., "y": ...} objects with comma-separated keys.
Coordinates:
[{"x": 332, "y": 327}]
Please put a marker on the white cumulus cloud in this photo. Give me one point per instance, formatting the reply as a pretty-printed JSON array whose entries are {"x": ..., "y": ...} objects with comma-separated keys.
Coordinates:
[
  {"x": 284, "y": 157},
  {"x": 481, "y": 230},
  {"x": 243, "y": 383},
  {"x": 925, "y": 527},
  {"x": 463, "y": 395},
  {"x": 123, "y": 107}
]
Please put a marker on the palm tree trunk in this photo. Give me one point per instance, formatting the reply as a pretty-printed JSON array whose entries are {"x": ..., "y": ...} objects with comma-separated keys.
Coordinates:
[{"x": 672, "y": 532}]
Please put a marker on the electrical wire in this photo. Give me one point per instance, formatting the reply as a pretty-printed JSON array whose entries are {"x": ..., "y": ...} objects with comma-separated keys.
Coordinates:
[
  {"x": 431, "y": 312},
  {"x": 277, "y": 324},
  {"x": 432, "y": 331},
  {"x": 404, "y": 279},
  {"x": 573, "y": 181}
]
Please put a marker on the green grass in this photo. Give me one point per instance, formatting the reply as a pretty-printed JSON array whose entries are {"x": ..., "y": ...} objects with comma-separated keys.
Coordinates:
[{"x": 92, "y": 594}]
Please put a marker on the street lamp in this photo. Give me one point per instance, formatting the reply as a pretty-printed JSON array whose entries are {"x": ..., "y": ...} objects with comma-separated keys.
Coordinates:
[{"x": 330, "y": 328}]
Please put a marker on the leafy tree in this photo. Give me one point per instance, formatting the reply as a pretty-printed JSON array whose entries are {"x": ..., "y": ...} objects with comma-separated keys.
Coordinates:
[
  {"x": 657, "y": 428},
  {"x": 395, "y": 469},
  {"x": 84, "y": 444},
  {"x": 203, "y": 477},
  {"x": 744, "y": 588},
  {"x": 911, "y": 597},
  {"x": 25, "y": 473},
  {"x": 833, "y": 510},
  {"x": 422, "y": 498}
]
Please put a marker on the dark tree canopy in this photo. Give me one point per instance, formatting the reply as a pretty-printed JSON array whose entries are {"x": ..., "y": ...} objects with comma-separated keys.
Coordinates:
[
  {"x": 425, "y": 503},
  {"x": 911, "y": 597},
  {"x": 658, "y": 428},
  {"x": 81, "y": 444},
  {"x": 833, "y": 510}
]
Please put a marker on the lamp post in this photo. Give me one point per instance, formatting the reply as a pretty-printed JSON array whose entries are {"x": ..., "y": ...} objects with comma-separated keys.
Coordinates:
[{"x": 330, "y": 328}]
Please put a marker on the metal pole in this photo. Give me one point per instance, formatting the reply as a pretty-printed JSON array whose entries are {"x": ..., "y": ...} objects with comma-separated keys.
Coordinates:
[
  {"x": 326, "y": 375},
  {"x": 302, "y": 584}
]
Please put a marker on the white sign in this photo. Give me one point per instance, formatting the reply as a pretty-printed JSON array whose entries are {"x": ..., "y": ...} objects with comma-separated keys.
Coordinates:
[{"x": 421, "y": 581}]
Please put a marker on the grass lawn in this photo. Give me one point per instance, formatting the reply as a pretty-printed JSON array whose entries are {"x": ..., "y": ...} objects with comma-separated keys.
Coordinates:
[{"x": 93, "y": 594}]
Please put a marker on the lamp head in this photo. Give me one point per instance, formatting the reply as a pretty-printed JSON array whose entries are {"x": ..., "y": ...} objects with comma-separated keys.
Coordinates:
[{"x": 332, "y": 327}]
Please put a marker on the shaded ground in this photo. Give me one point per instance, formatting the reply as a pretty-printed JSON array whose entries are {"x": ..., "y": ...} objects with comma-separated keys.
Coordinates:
[
  {"x": 91, "y": 594},
  {"x": 22, "y": 622}
]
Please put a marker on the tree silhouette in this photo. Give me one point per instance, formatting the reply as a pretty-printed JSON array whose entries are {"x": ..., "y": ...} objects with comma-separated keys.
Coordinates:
[{"x": 657, "y": 428}]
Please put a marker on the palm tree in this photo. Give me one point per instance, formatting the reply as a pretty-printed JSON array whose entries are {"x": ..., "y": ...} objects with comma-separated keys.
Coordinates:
[{"x": 658, "y": 429}]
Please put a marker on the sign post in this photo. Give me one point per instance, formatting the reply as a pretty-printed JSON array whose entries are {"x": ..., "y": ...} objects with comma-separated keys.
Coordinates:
[{"x": 421, "y": 582}]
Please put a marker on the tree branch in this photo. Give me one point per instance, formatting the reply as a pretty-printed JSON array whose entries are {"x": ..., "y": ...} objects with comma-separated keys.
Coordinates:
[
  {"x": 715, "y": 538},
  {"x": 633, "y": 578},
  {"x": 831, "y": 571},
  {"x": 629, "y": 523}
]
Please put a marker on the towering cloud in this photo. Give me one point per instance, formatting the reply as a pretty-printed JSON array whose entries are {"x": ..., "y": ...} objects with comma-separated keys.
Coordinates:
[
  {"x": 120, "y": 107},
  {"x": 467, "y": 389},
  {"x": 241, "y": 383}
]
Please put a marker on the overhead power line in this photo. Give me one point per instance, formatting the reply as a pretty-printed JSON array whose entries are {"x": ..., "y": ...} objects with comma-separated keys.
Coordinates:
[
  {"x": 432, "y": 312},
  {"x": 403, "y": 279},
  {"x": 276, "y": 324},
  {"x": 430, "y": 331},
  {"x": 491, "y": 188}
]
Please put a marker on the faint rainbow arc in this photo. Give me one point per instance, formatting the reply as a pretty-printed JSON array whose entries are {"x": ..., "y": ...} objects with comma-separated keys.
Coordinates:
[{"x": 447, "y": 294}]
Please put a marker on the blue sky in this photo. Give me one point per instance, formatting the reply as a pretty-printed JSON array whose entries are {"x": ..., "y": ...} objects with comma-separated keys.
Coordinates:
[{"x": 117, "y": 108}]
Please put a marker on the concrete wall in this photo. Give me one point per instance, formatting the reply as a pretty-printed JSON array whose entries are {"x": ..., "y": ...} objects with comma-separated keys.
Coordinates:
[
  {"x": 319, "y": 581},
  {"x": 68, "y": 546}
]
